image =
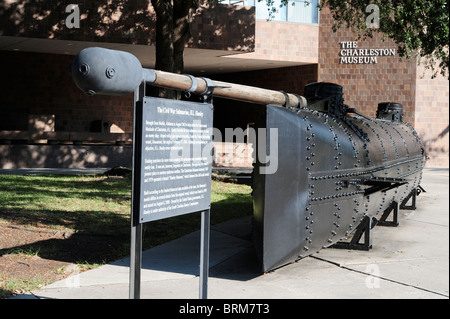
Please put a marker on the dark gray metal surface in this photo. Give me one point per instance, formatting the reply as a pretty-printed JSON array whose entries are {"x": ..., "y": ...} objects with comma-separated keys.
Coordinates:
[
  {"x": 332, "y": 172},
  {"x": 102, "y": 71}
]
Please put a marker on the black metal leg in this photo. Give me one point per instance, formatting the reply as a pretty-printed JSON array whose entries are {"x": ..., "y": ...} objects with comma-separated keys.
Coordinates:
[
  {"x": 204, "y": 254},
  {"x": 411, "y": 196},
  {"x": 135, "y": 261},
  {"x": 393, "y": 208},
  {"x": 354, "y": 244}
]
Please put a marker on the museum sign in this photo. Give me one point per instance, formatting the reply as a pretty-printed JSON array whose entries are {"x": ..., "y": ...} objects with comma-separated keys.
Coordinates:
[{"x": 350, "y": 53}]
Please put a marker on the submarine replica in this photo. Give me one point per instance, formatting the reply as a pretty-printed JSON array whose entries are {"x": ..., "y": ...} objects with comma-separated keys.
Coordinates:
[{"x": 338, "y": 173}]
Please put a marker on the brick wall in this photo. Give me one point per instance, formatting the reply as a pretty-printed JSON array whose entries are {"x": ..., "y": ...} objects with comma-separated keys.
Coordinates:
[
  {"x": 432, "y": 116},
  {"x": 290, "y": 79},
  {"x": 224, "y": 27},
  {"x": 40, "y": 84},
  {"x": 218, "y": 27},
  {"x": 64, "y": 156},
  {"x": 284, "y": 41}
]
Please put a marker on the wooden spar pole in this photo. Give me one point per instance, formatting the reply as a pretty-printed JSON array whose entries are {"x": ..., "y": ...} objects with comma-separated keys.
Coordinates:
[
  {"x": 124, "y": 73},
  {"x": 228, "y": 90}
]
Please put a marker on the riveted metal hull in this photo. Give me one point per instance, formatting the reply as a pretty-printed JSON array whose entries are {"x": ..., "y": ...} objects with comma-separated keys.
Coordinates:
[{"x": 328, "y": 179}]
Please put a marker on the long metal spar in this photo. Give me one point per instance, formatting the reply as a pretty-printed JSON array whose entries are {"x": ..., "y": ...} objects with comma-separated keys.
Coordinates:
[{"x": 103, "y": 71}]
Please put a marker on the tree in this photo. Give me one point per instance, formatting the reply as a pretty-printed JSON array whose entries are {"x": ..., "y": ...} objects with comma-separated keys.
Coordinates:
[
  {"x": 418, "y": 27},
  {"x": 172, "y": 34}
]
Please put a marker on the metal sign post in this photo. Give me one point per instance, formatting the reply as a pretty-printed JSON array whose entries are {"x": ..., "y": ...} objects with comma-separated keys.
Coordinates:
[
  {"x": 171, "y": 172},
  {"x": 136, "y": 226},
  {"x": 204, "y": 254}
]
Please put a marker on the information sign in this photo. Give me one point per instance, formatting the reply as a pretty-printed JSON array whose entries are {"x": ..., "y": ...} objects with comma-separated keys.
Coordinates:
[{"x": 176, "y": 156}]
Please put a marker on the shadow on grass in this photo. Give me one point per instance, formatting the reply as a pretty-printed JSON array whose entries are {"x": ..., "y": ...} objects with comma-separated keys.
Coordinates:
[
  {"x": 77, "y": 248},
  {"x": 102, "y": 237},
  {"x": 98, "y": 222},
  {"x": 63, "y": 186},
  {"x": 100, "y": 205}
]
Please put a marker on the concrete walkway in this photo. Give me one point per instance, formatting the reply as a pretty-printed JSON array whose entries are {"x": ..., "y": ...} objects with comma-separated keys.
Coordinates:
[{"x": 409, "y": 261}]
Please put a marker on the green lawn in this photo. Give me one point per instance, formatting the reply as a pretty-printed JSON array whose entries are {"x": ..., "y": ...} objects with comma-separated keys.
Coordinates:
[
  {"x": 95, "y": 204},
  {"x": 101, "y": 205}
]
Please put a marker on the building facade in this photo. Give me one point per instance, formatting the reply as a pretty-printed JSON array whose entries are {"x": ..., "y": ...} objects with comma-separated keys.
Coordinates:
[{"x": 48, "y": 122}]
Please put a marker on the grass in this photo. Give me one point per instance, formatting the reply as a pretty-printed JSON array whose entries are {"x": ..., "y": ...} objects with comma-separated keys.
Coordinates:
[
  {"x": 97, "y": 205},
  {"x": 21, "y": 285},
  {"x": 100, "y": 204}
]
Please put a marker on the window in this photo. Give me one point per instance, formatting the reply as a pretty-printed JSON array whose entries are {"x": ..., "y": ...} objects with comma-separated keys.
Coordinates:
[{"x": 303, "y": 11}]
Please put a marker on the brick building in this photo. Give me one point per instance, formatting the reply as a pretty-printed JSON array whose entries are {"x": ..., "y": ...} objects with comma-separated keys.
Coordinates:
[{"x": 47, "y": 121}]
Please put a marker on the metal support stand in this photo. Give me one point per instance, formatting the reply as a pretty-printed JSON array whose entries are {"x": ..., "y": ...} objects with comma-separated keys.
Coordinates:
[
  {"x": 207, "y": 96},
  {"x": 204, "y": 254},
  {"x": 135, "y": 261},
  {"x": 411, "y": 196},
  {"x": 363, "y": 229},
  {"x": 136, "y": 226},
  {"x": 383, "y": 220}
]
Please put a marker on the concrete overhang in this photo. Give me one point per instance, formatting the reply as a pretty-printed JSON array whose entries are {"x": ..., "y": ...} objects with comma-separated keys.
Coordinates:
[{"x": 197, "y": 61}]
